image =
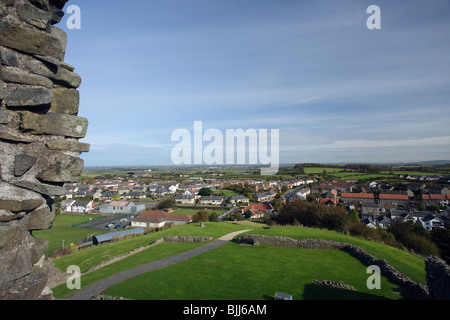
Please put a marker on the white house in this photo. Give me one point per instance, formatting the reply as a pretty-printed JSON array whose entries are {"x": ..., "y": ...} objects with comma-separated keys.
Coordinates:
[
  {"x": 66, "y": 205},
  {"x": 430, "y": 222},
  {"x": 184, "y": 198},
  {"x": 239, "y": 199},
  {"x": 126, "y": 207},
  {"x": 82, "y": 206},
  {"x": 173, "y": 188},
  {"x": 303, "y": 194},
  {"x": 211, "y": 200}
]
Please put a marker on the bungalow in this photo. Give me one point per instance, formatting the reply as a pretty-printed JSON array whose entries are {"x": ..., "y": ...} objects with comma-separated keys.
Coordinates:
[
  {"x": 184, "y": 198},
  {"x": 161, "y": 191},
  {"x": 258, "y": 210},
  {"x": 349, "y": 198},
  {"x": 82, "y": 206},
  {"x": 156, "y": 217},
  {"x": 126, "y": 207},
  {"x": 239, "y": 199},
  {"x": 267, "y": 196},
  {"x": 213, "y": 200}
]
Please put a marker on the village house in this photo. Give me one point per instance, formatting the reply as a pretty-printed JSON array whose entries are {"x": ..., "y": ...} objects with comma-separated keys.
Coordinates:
[
  {"x": 431, "y": 222},
  {"x": 369, "y": 208},
  {"x": 212, "y": 200},
  {"x": 239, "y": 199},
  {"x": 330, "y": 202},
  {"x": 267, "y": 196},
  {"x": 66, "y": 205},
  {"x": 82, "y": 206},
  {"x": 184, "y": 199},
  {"x": 258, "y": 210},
  {"x": 393, "y": 200},
  {"x": 435, "y": 199},
  {"x": 352, "y": 198},
  {"x": 159, "y": 218},
  {"x": 124, "y": 207}
]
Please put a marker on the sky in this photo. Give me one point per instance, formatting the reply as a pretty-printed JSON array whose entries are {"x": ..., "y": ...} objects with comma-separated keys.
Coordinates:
[{"x": 336, "y": 90}]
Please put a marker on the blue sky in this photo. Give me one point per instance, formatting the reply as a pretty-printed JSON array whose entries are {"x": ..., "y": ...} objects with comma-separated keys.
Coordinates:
[{"x": 337, "y": 91}]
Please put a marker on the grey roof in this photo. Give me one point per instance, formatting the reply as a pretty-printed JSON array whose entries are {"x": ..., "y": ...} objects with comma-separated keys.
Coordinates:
[
  {"x": 212, "y": 198},
  {"x": 112, "y": 235}
]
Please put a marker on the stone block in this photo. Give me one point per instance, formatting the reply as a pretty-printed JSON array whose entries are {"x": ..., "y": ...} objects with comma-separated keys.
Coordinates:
[
  {"x": 66, "y": 169},
  {"x": 65, "y": 101},
  {"x": 54, "y": 124},
  {"x": 29, "y": 97},
  {"x": 16, "y": 75},
  {"x": 32, "y": 40},
  {"x": 40, "y": 219},
  {"x": 65, "y": 145},
  {"x": 16, "y": 199},
  {"x": 34, "y": 16}
]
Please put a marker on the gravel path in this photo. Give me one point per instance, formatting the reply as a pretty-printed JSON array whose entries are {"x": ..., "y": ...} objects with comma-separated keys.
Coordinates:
[{"x": 98, "y": 287}]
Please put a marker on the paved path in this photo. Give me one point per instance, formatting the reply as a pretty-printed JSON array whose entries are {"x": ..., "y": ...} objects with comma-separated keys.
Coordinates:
[{"x": 100, "y": 286}]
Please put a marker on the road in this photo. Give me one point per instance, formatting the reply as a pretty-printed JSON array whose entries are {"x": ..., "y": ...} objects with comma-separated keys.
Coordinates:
[{"x": 100, "y": 286}]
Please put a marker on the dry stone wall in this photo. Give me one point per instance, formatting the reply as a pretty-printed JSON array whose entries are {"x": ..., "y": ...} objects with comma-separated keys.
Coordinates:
[
  {"x": 417, "y": 290},
  {"x": 39, "y": 133}
]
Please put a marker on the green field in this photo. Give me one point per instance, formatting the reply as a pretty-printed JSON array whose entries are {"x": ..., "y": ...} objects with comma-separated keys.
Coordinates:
[
  {"x": 238, "y": 272},
  {"x": 62, "y": 230},
  {"x": 339, "y": 173},
  {"x": 241, "y": 272}
]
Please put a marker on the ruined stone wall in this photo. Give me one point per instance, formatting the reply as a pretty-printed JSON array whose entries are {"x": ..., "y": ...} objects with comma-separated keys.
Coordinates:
[
  {"x": 39, "y": 133},
  {"x": 417, "y": 290}
]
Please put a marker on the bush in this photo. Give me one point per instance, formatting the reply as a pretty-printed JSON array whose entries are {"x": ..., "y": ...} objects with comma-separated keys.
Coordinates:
[
  {"x": 313, "y": 215},
  {"x": 411, "y": 236}
]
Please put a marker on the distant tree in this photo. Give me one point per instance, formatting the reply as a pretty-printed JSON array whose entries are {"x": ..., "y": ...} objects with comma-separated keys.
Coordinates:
[
  {"x": 201, "y": 216},
  {"x": 168, "y": 203},
  {"x": 116, "y": 198},
  {"x": 205, "y": 192},
  {"x": 353, "y": 215},
  {"x": 213, "y": 217},
  {"x": 248, "y": 214}
]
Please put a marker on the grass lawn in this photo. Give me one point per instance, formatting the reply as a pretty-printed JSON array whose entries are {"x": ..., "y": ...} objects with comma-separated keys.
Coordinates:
[
  {"x": 62, "y": 230},
  {"x": 155, "y": 253},
  {"x": 90, "y": 257},
  {"x": 241, "y": 272},
  {"x": 411, "y": 265},
  {"x": 236, "y": 272}
]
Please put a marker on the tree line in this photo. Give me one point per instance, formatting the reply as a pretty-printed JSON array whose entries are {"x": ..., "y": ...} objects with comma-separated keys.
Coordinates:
[{"x": 406, "y": 235}]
